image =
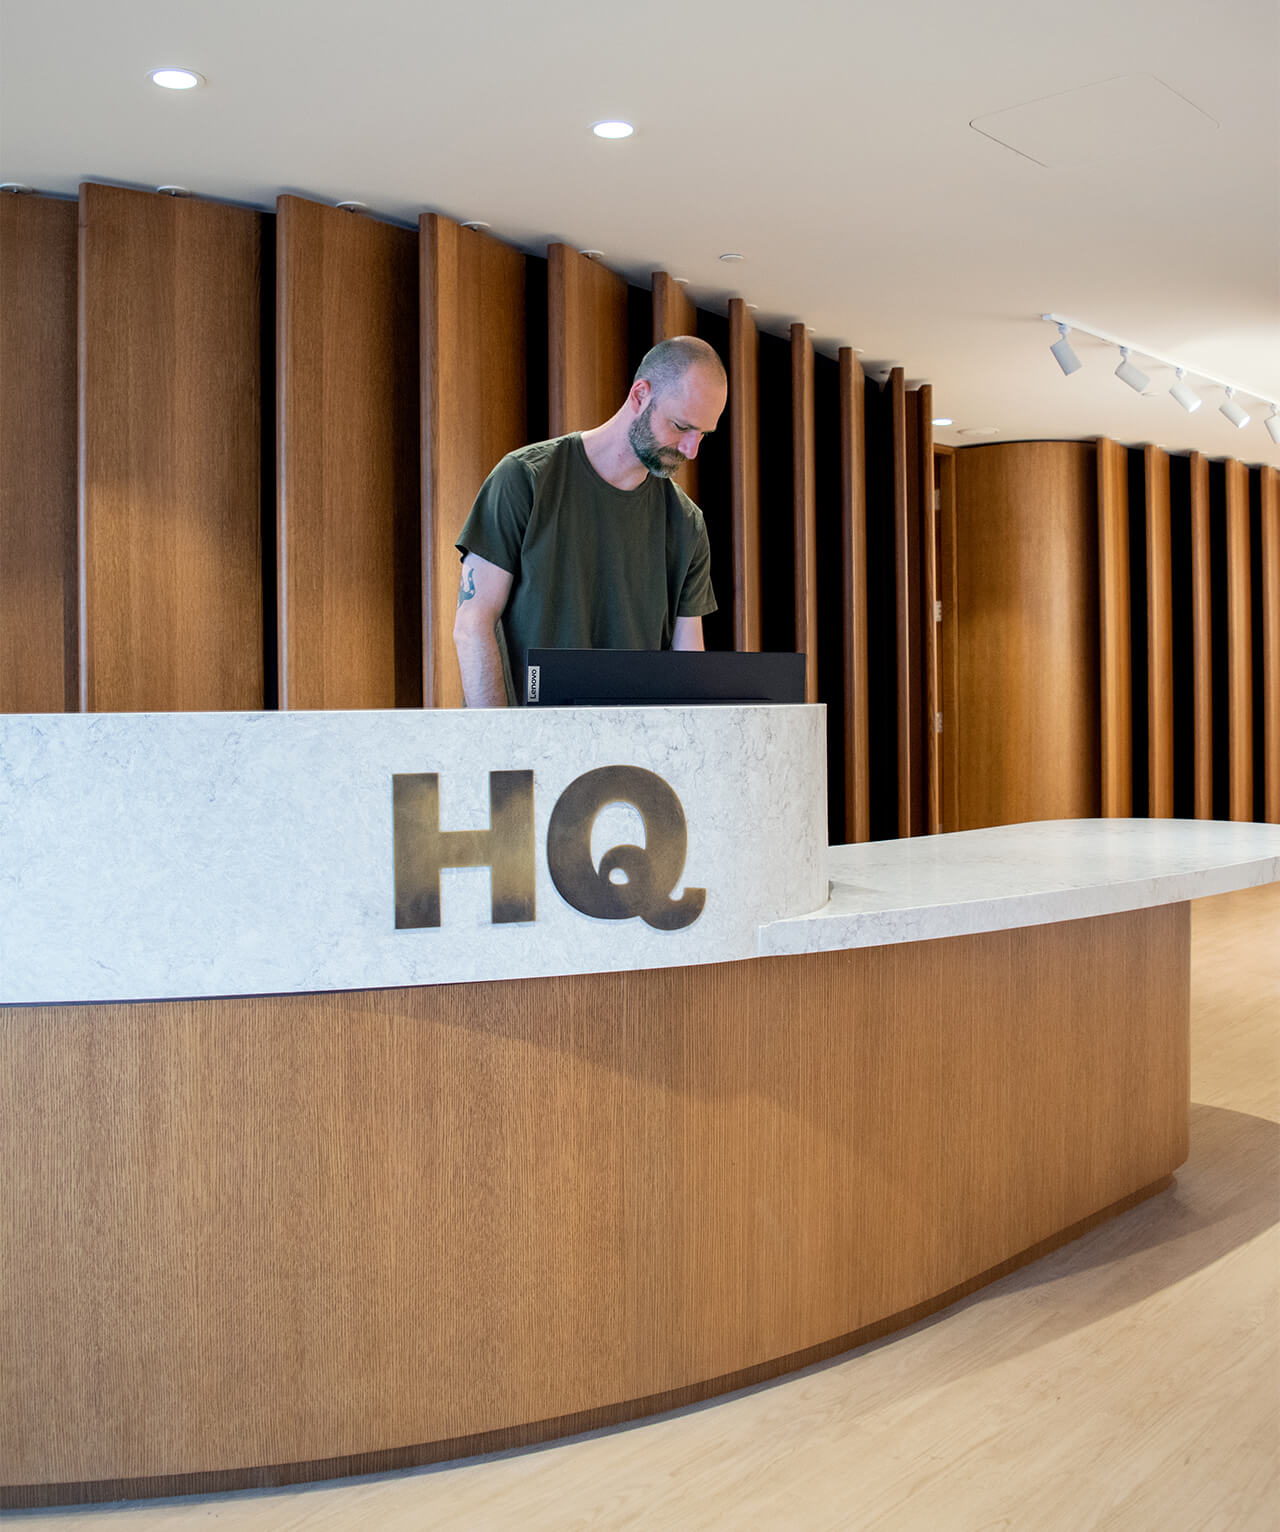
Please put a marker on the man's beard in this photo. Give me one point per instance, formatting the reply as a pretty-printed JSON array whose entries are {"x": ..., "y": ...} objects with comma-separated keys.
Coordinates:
[{"x": 661, "y": 461}]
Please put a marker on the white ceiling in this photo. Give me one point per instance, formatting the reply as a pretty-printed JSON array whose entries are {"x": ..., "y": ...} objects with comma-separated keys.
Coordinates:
[{"x": 829, "y": 142}]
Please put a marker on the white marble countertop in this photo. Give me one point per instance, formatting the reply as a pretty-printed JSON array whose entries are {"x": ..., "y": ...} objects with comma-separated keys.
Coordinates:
[{"x": 1023, "y": 875}]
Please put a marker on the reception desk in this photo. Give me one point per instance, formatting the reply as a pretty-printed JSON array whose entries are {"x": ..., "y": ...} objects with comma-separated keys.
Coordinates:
[{"x": 324, "y": 1156}]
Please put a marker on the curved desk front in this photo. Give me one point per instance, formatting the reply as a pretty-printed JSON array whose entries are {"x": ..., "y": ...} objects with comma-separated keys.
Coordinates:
[{"x": 292, "y": 1191}]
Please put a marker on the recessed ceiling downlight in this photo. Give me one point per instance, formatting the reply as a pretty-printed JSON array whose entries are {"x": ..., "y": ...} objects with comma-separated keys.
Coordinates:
[
  {"x": 944, "y": 420},
  {"x": 614, "y": 129},
  {"x": 176, "y": 79}
]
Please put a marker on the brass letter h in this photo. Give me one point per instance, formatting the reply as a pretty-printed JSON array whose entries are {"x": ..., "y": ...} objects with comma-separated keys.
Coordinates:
[{"x": 422, "y": 848}]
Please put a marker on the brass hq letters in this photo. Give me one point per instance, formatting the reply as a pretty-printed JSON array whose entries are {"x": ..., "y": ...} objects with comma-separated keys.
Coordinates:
[{"x": 649, "y": 873}]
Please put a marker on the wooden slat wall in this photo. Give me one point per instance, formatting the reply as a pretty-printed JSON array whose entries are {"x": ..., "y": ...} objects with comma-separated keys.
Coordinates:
[
  {"x": 1027, "y": 630},
  {"x": 474, "y": 409},
  {"x": 1117, "y": 658},
  {"x": 1202, "y": 634},
  {"x": 1270, "y": 555},
  {"x": 674, "y": 314},
  {"x": 587, "y": 341},
  {"x": 1159, "y": 634},
  {"x": 170, "y": 442},
  {"x": 804, "y": 505},
  {"x": 908, "y": 593},
  {"x": 744, "y": 430},
  {"x": 348, "y": 460},
  {"x": 39, "y": 595},
  {"x": 1239, "y": 641},
  {"x": 853, "y": 480}
]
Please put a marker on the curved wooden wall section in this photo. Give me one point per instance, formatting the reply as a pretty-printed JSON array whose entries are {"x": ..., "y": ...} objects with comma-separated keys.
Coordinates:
[
  {"x": 1027, "y": 633},
  {"x": 39, "y": 585},
  {"x": 587, "y": 329},
  {"x": 252, "y": 1241},
  {"x": 853, "y": 510},
  {"x": 474, "y": 409},
  {"x": 170, "y": 448},
  {"x": 1115, "y": 607},
  {"x": 744, "y": 446},
  {"x": 1270, "y": 555},
  {"x": 348, "y": 484},
  {"x": 1159, "y": 634}
]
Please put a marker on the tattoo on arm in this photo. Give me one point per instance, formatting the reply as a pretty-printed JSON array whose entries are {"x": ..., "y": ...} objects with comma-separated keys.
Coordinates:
[{"x": 468, "y": 587}]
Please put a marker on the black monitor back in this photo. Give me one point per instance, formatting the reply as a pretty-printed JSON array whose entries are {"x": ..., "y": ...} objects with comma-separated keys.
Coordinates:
[{"x": 656, "y": 677}]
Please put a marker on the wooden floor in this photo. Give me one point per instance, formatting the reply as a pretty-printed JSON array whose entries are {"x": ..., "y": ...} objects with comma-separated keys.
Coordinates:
[{"x": 1131, "y": 1381}]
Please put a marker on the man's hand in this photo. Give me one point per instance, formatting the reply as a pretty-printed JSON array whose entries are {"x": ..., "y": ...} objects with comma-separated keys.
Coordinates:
[{"x": 482, "y": 595}]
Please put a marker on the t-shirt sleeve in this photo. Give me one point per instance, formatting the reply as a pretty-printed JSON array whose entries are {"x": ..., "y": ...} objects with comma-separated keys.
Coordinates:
[
  {"x": 496, "y": 526},
  {"x": 697, "y": 599}
]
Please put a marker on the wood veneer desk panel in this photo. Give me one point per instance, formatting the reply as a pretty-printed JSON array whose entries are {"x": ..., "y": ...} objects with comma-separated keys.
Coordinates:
[{"x": 260, "y": 1240}]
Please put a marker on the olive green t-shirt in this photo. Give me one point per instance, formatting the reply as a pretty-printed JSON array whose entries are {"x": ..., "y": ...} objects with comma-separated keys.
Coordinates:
[{"x": 594, "y": 567}]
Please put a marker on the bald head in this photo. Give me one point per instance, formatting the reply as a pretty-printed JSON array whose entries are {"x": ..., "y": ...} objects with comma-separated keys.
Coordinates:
[{"x": 665, "y": 366}]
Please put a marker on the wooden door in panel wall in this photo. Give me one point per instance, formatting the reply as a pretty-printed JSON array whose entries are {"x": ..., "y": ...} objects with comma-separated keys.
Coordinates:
[
  {"x": 744, "y": 433},
  {"x": 171, "y": 451},
  {"x": 674, "y": 314},
  {"x": 474, "y": 408},
  {"x": 347, "y": 421},
  {"x": 587, "y": 341},
  {"x": 39, "y": 600},
  {"x": 1027, "y": 633}
]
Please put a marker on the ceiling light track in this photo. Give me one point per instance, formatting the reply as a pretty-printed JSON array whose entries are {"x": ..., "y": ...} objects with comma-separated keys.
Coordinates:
[{"x": 1181, "y": 390}]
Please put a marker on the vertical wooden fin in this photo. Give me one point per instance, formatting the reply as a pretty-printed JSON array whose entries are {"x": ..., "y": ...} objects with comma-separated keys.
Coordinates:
[
  {"x": 907, "y": 586},
  {"x": 349, "y": 488},
  {"x": 853, "y": 480},
  {"x": 920, "y": 485},
  {"x": 674, "y": 314},
  {"x": 39, "y": 580},
  {"x": 474, "y": 409},
  {"x": 804, "y": 506},
  {"x": 171, "y": 453},
  {"x": 744, "y": 430},
  {"x": 1239, "y": 642},
  {"x": 1270, "y": 553},
  {"x": 1202, "y": 634},
  {"x": 1159, "y": 634},
  {"x": 587, "y": 341},
  {"x": 1116, "y": 656}
]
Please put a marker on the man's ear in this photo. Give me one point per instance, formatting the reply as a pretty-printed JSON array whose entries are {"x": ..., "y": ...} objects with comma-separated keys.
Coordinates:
[{"x": 638, "y": 398}]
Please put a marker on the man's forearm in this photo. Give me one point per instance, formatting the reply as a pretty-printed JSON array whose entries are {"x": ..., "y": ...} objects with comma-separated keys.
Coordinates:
[{"x": 480, "y": 662}]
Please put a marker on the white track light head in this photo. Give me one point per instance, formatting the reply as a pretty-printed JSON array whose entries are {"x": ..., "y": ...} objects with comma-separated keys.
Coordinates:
[
  {"x": 1238, "y": 418},
  {"x": 1128, "y": 373},
  {"x": 1063, "y": 354},
  {"x": 1185, "y": 394},
  {"x": 1272, "y": 423}
]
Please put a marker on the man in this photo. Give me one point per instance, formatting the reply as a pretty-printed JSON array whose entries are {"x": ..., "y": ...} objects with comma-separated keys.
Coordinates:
[{"x": 583, "y": 542}]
